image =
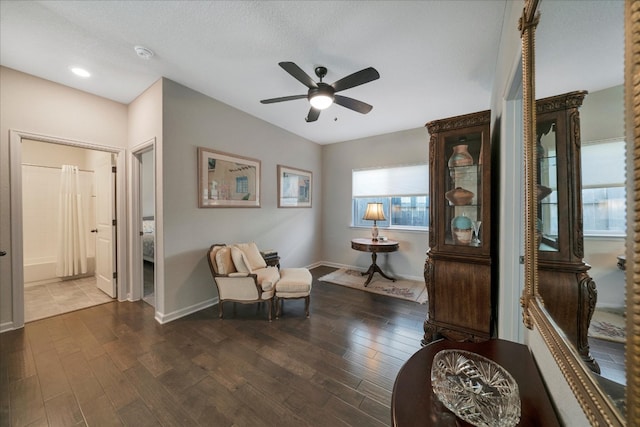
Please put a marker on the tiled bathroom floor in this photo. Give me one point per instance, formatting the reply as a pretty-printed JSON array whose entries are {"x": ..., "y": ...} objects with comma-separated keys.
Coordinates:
[{"x": 50, "y": 299}]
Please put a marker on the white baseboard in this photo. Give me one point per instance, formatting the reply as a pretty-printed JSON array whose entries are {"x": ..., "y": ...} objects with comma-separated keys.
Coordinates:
[
  {"x": 6, "y": 327},
  {"x": 336, "y": 265},
  {"x": 166, "y": 318},
  {"x": 615, "y": 306},
  {"x": 314, "y": 265}
]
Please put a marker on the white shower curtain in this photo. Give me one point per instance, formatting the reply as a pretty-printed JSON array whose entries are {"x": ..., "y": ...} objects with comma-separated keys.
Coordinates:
[{"x": 72, "y": 245}]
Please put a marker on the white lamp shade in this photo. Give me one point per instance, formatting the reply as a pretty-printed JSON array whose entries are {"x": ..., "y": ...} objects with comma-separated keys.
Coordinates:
[{"x": 374, "y": 212}]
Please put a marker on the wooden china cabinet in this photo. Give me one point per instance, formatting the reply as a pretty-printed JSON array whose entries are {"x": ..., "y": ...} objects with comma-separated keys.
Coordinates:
[
  {"x": 569, "y": 294},
  {"x": 457, "y": 270}
]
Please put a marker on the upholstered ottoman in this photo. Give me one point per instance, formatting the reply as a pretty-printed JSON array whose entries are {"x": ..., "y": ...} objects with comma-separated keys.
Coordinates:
[{"x": 294, "y": 283}]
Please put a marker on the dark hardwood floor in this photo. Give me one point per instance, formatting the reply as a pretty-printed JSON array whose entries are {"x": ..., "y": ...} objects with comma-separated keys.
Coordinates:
[
  {"x": 115, "y": 365},
  {"x": 610, "y": 358}
]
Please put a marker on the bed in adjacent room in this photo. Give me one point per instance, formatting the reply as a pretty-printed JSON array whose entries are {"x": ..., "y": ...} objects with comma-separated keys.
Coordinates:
[{"x": 148, "y": 238}]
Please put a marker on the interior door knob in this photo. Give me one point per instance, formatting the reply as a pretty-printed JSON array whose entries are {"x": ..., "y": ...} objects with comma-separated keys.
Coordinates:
[
  {"x": 95, "y": 230},
  {"x": 3, "y": 253}
]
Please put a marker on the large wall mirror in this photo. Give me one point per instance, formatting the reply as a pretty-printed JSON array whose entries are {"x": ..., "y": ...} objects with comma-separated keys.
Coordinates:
[{"x": 574, "y": 46}]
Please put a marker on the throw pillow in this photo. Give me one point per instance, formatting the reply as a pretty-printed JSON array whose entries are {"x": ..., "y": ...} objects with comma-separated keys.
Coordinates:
[
  {"x": 239, "y": 260},
  {"x": 224, "y": 261},
  {"x": 252, "y": 256},
  {"x": 212, "y": 257}
]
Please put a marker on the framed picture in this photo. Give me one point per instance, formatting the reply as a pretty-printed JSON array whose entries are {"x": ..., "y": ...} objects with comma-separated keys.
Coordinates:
[
  {"x": 294, "y": 187},
  {"x": 227, "y": 181}
]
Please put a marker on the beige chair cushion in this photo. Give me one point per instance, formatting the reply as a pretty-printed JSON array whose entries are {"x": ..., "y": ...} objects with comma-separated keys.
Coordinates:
[
  {"x": 294, "y": 282},
  {"x": 252, "y": 257},
  {"x": 212, "y": 256},
  {"x": 267, "y": 277},
  {"x": 239, "y": 259},
  {"x": 224, "y": 262},
  {"x": 236, "y": 288}
]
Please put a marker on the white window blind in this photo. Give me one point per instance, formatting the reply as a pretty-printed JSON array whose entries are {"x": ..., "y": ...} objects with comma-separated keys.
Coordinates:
[
  {"x": 603, "y": 164},
  {"x": 392, "y": 181}
]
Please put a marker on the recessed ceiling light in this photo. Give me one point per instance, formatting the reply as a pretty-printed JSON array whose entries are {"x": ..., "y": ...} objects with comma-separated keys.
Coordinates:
[{"x": 80, "y": 72}]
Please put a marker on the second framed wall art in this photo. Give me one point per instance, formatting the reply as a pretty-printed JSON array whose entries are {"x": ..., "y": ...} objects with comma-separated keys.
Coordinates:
[{"x": 294, "y": 187}]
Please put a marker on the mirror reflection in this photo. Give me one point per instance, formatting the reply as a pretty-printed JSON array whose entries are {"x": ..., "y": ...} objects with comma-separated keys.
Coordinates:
[
  {"x": 580, "y": 47},
  {"x": 547, "y": 221}
]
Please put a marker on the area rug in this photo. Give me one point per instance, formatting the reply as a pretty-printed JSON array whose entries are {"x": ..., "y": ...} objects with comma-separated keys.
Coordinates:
[
  {"x": 404, "y": 289},
  {"x": 608, "y": 324}
]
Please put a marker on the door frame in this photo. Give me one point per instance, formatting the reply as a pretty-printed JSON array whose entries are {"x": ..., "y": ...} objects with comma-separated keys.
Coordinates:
[
  {"x": 136, "y": 269},
  {"x": 17, "y": 257}
]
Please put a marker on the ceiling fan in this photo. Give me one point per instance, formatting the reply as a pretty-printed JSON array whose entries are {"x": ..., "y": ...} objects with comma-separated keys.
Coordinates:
[{"x": 321, "y": 95}]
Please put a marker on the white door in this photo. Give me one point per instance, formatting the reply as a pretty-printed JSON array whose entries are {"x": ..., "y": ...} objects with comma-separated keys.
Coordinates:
[{"x": 105, "y": 216}]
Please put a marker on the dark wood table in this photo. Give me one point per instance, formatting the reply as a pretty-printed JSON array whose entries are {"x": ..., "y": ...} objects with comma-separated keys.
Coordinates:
[
  {"x": 373, "y": 246},
  {"x": 413, "y": 402}
]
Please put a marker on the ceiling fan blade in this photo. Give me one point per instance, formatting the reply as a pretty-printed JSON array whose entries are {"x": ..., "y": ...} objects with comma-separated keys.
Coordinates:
[
  {"x": 356, "y": 79},
  {"x": 352, "y": 104},
  {"x": 313, "y": 115},
  {"x": 298, "y": 74},
  {"x": 283, "y": 98}
]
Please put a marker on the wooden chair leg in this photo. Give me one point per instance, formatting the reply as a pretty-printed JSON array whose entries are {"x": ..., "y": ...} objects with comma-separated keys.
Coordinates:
[
  {"x": 306, "y": 305},
  {"x": 220, "y": 309},
  {"x": 278, "y": 307},
  {"x": 270, "y": 304}
]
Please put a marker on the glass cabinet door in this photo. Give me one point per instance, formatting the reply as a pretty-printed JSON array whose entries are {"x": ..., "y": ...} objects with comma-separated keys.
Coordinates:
[
  {"x": 463, "y": 204},
  {"x": 547, "y": 187}
]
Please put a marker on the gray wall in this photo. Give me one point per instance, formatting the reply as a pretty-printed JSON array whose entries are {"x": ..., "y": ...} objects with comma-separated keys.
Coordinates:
[
  {"x": 190, "y": 120},
  {"x": 147, "y": 187},
  {"x": 34, "y": 105},
  {"x": 602, "y": 115},
  {"x": 399, "y": 148},
  {"x": 602, "y": 118}
]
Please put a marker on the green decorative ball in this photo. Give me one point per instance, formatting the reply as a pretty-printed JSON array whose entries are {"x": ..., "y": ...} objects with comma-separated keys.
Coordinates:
[{"x": 461, "y": 223}]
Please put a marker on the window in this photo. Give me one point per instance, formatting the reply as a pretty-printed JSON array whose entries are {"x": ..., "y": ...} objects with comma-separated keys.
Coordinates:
[
  {"x": 603, "y": 188},
  {"x": 402, "y": 190},
  {"x": 242, "y": 184}
]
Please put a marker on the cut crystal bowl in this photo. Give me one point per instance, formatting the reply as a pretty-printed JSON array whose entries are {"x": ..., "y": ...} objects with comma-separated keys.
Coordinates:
[{"x": 476, "y": 389}]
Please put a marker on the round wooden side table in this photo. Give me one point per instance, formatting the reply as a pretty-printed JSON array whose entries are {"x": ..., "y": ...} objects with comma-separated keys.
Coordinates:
[
  {"x": 374, "y": 246},
  {"x": 414, "y": 404}
]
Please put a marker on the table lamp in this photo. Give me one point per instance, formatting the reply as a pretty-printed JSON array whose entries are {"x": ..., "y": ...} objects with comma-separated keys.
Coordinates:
[{"x": 374, "y": 213}]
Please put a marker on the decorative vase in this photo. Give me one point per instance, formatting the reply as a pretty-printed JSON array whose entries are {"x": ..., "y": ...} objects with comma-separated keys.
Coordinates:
[
  {"x": 459, "y": 196},
  {"x": 475, "y": 388},
  {"x": 460, "y": 156},
  {"x": 461, "y": 230}
]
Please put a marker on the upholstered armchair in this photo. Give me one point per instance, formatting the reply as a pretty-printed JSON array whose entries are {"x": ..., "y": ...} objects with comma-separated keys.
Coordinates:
[{"x": 241, "y": 275}]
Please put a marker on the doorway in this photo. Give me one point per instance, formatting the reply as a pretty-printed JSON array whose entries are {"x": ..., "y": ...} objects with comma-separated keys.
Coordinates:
[
  {"x": 66, "y": 199},
  {"x": 146, "y": 164},
  {"x": 44, "y": 155}
]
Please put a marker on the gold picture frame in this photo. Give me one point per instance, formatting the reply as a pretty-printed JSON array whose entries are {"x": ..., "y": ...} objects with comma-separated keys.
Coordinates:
[
  {"x": 227, "y": 180},
  {"x": 294, "y": 187},
  {"x": 598, "y": 408}
]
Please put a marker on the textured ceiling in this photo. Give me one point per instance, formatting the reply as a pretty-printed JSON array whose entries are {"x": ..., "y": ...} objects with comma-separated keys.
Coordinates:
[{"x": 435, "y": 58}]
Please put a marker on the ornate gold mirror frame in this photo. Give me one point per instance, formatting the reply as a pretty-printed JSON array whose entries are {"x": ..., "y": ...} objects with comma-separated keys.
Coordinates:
[{"x": 597, "y": 407}]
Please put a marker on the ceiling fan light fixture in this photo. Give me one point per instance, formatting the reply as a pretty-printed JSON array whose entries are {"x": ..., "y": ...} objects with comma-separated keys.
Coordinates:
[
  {"x": 321, "y": 101},
  {"x": 321, "y": 97}
]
